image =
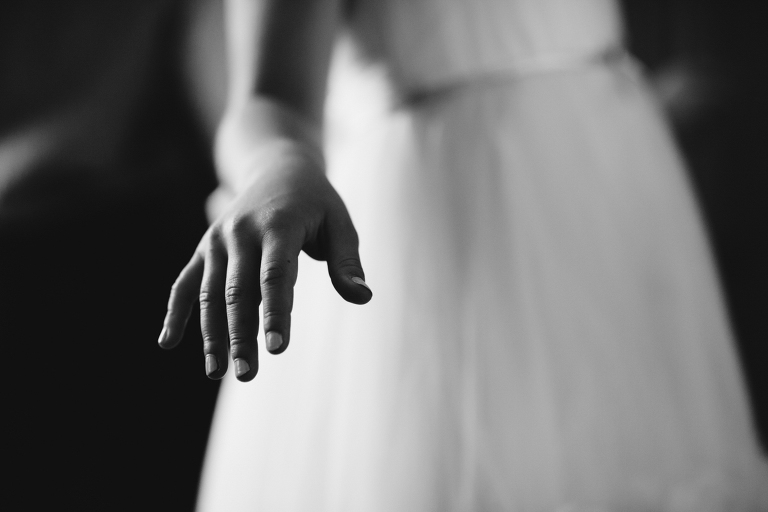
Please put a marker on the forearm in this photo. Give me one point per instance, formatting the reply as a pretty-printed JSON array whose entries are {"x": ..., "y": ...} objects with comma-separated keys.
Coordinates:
[
  {"x": 278, "y": 56},
  {"x": 280, "y": 49}
]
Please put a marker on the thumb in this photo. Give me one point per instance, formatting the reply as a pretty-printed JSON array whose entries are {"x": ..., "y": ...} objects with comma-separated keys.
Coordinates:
[{"x": 344, "y": 265}]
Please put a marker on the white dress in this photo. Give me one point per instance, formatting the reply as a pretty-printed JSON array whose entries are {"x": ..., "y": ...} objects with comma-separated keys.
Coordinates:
[{"x": 546, "y": 332}]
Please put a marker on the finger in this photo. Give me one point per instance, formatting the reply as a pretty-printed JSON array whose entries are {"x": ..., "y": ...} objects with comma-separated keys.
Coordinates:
[
  {"x": 344, "y": 265},
  {"x": 213, "y": 313},
  {"x": 242, "y": 297},
  {"x": 279, "y": 269},
  {"x": 181, "y": 302}
]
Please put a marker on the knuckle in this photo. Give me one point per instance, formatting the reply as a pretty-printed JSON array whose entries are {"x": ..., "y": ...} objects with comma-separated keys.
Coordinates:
[
  {"x": 272, "y": 274},
  {"x": 237, "y": 340},
  {"x": 234, "y": 295},
  {"x": 274, "y": 315},
  {"x": 210, "y": 343},
  {"x": 350, "y": 263},
  {"x": 240, "y": 225},
  {"x": 276, "y": 219},
  {"x": 207, "y": 299},
  {"x": 270, "y": 216}
]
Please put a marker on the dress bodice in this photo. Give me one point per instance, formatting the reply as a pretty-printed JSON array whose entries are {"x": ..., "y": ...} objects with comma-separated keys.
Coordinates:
[{"x": 432, "y": 43}]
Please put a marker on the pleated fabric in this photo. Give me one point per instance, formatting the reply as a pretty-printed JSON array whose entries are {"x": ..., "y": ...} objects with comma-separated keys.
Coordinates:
[{"x": 547, "y": 333}]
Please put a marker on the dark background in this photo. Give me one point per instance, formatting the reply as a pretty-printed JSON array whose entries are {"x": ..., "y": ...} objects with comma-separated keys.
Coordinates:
[{"x": 709, "y": 62}]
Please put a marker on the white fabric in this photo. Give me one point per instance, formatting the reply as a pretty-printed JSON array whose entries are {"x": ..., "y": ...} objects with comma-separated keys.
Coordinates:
[
  {"x": 428, "y": 43},
  {"x": 546, "y": 332}
]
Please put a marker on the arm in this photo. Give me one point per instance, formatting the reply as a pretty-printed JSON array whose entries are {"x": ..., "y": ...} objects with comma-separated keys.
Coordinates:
[
  {"x": 279, "y": 52},
  {"x": 267, "y": 147}
]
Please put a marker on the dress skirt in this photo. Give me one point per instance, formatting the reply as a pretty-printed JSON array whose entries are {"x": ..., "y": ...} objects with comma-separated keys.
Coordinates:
[{"x": 546, "y": 333}]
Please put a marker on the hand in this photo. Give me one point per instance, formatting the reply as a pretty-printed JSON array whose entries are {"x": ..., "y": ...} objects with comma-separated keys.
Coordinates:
[{"x": 250, "y": 255}]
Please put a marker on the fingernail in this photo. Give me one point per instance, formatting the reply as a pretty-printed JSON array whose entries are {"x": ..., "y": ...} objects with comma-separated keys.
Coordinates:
[
  {"x": 359, "y": 281},
  {"x": 211, "y": 364},
  {"x": 274, "y": 341},
  {"x": 241, "y": 367},
  {"x": 163, "y": 336}
]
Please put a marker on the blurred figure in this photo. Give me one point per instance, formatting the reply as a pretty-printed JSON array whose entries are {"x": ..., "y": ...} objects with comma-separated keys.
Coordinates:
[
  {"x": 707, "y": 62},
  {"x": 547, "y": 331},
  {"x": 104, "y": 169}
]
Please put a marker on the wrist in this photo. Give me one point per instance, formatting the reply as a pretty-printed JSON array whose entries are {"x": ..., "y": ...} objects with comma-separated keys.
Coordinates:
[{"x": 256, "y": 133}]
